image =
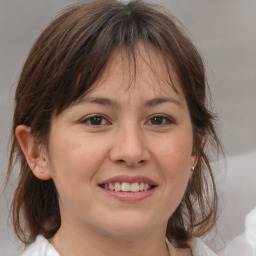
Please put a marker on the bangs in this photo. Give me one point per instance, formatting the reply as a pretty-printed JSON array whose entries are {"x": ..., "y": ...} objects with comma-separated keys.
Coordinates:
[
  {"x": 86, "y": 47},
  {"x": 131, "y": 61}
]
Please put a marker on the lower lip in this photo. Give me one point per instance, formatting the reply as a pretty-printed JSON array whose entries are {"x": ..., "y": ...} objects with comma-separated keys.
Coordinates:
[{"x": 129, "y": 196}]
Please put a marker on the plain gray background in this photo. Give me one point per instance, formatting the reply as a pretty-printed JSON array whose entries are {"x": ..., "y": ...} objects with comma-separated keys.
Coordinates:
[{"x": 225, "y": 33}]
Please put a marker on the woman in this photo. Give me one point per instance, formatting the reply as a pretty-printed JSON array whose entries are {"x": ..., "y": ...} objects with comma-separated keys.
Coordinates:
[{"x": 110, "y": 127}]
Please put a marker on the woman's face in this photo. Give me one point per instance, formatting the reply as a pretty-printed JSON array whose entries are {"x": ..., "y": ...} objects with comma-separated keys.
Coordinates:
[{"x": 121, "y": 157}]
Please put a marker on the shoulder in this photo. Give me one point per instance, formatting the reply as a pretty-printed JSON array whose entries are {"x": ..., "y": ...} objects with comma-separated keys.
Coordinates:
[
  {"x": 40, "y": 247},
  {"x": 199, "y": 248}
]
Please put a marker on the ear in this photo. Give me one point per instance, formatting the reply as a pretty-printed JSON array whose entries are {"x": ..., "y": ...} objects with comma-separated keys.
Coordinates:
[
  {"x": 196, "y": 155},
  {"x": 35, "y": 153},
  {"x": 193, "y": 163}
]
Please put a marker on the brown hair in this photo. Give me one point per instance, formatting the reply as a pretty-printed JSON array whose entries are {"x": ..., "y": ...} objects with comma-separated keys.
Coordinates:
[{"x": 68, "y": 57}]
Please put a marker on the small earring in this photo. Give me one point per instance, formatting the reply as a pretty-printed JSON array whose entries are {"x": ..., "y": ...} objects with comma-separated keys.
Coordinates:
[{"x": 193, "y": 168}]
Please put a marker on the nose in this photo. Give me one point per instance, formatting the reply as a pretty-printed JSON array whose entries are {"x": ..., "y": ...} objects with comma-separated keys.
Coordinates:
[{"x": 130, "y": 147}]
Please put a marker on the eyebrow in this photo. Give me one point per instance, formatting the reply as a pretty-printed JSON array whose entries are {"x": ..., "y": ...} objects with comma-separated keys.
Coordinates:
[
  {"x": 98, "y": 100},
  {"x": 112, "y": 103},
  {"x": 160, "y": 100}
]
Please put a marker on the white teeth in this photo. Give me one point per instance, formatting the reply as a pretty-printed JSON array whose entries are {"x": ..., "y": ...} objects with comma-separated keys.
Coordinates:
[
  {"x": 117, "y": 186},
  {"x": 111, "y": 186},
  {"x": 135, "y": 187},
  {"x": 127, "y": 187}
]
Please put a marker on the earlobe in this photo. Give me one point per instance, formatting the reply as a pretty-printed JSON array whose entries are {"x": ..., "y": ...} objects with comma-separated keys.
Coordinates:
[
  {"x": 196, "y": 156},
  {"x": 35, "y": 153},
  {"x": 194, "y": 160}
]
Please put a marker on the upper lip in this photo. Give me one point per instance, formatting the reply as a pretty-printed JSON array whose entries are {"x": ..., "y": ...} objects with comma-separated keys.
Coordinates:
[{"x": 129, "y": 179}]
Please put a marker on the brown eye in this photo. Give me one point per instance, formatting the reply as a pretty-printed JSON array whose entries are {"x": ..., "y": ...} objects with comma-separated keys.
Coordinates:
[
  {"x": 159, "y": 120},
  {"x": 95, "y": 121}
]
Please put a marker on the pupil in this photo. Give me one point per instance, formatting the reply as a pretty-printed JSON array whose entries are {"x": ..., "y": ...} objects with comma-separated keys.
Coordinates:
[
  {"x": 96, "y": 120},
  {"x": 157, "y": 120}
]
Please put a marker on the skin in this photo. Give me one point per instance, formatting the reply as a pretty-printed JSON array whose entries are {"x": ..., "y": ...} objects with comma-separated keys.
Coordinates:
[{"x": 128, "y": 140}]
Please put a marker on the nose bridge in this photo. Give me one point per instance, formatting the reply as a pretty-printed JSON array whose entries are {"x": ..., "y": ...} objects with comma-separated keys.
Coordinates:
[
  {"x": 133, "y": 138},
  {"x": 130, "y": 145}
]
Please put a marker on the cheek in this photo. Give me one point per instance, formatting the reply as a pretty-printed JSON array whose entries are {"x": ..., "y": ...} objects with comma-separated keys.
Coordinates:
[
  {"x": 173, "y": 164},
  {"x": 72, "y": 160},
  {"x": 175, "y": 156},
  {"x": 73, "y": 166}
]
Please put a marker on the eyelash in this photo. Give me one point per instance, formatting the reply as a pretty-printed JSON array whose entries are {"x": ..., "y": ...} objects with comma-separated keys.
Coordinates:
[
  {"x": 164, "y": 120},
  {"x": 88, "y": 120},
  {"x": 167, "y": 120}
]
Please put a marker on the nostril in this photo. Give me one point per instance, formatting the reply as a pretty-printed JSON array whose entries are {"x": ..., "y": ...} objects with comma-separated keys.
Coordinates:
[
  {"x": 121, "y": 161},
  {"x": 131, "y": 163},
  {"x": 138, "y": 163}
]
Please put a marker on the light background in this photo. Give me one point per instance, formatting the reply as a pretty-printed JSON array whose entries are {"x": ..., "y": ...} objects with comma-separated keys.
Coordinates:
[{"x": 225, "y": 33}]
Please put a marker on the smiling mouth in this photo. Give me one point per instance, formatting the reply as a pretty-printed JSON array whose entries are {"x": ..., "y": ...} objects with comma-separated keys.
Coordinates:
[{"x": 127, "y": 187}]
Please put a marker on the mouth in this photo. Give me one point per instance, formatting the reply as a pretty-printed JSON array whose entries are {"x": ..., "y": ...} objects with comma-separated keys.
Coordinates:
[
  {"x": 130, "y": 184},
  {"x": 127, "y": 187}
]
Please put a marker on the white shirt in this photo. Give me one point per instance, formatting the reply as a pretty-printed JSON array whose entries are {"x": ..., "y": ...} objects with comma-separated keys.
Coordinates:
[
  {"x": 42, "y": 247},
  {"x": 199, "y": 248}
]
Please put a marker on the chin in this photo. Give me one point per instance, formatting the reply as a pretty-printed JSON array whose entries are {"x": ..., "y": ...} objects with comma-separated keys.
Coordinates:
[
  {"x": 130, "y": 228},
  {"x": 128, "y": 233}
]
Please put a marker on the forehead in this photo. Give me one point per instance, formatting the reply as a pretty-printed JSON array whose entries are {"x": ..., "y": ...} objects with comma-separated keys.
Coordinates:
[{"x": 141, "y": 70}]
